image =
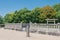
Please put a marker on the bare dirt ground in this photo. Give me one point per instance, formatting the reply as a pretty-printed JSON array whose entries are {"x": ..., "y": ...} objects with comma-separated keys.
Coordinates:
[{"x": 6, "y": 34}]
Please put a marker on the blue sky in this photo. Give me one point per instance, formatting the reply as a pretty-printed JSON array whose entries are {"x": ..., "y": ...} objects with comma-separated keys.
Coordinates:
[{"x": 7, "y": 6}]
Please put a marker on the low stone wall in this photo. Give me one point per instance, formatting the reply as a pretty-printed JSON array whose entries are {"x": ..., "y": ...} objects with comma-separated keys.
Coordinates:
[
  {"x": 15, "y": 26},
  {"x": 39, "y": 28},
  {"x": 45, "y": 28}
]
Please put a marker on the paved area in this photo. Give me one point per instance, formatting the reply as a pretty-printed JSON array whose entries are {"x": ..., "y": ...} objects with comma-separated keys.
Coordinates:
[{"x": 6, "y": 34}]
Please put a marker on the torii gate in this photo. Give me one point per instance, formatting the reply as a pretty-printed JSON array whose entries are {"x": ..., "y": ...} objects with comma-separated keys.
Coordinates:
[{"x": 51, "y": 20}]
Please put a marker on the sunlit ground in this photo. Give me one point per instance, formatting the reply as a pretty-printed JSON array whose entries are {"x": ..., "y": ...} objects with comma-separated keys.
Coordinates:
[{"x": 6, "y": 34}]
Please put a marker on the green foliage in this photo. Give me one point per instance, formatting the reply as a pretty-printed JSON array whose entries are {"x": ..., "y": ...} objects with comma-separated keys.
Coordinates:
[
  {"x": 34, "y": 15},
  {"x": 1, "y": 20},
  {"x": 8, "y": 18},
  {"x": 58, "y": 16},
  {"x": 46, "y": 12},
  {"x": 18, "y": 16},
  {"x": 37, "y": 15},
  {"x": 23, "y": 15},
  {"x": 57, "y": 7}
]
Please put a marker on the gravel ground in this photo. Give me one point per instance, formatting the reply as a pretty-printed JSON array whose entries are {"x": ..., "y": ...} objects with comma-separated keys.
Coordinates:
[{"x": 6, "y": 34}]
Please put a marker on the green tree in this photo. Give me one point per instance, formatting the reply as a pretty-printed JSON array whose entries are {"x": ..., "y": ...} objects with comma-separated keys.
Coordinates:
[
  {"x": 15, "y": 18},
  {"x": 58, "y": 16},
  {"x": 46, "y": 12},
  {"x": 57, "y": 7},
  {"x": 1, "y": 20},
  {"x": 8, "y": 18},
  {"x": 21, "y": 15},
  {"x": 34, "y": 15}
]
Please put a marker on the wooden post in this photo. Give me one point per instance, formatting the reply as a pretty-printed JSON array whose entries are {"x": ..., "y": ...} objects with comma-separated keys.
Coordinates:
[
  {"x": 27, "y": 31},
  {"x": 47, "y": 21},
  {"x": 58, "y": 27},
  {"x": 54, "y": 21},
  {"x": 47, "y": 28}
]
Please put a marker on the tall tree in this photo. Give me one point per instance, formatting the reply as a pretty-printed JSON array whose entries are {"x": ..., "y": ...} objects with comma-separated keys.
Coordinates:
[
  {"x": 1, "y": 20},
  {"x": 58, "y": 16},
  {"x": 57, "y": 7},
  {"x": 21, "y": 15},
  {"x": 34, "y": 15},
  {"x": 8, "y": 18},
  {"x": 46, "y": 12}
]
